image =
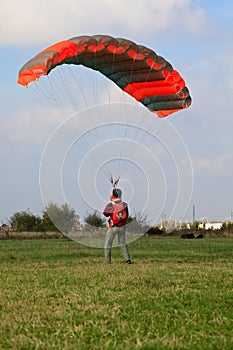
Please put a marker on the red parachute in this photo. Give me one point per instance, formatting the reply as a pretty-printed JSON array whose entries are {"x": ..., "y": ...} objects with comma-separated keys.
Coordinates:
[{"x": 136, "y": 69}]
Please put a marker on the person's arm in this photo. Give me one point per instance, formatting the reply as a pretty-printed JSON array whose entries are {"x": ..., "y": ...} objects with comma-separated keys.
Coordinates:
[{"x": 108, "y": 210}]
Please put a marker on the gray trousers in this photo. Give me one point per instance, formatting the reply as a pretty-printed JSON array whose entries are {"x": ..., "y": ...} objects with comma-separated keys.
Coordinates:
[{"x": 111, "y": 234}]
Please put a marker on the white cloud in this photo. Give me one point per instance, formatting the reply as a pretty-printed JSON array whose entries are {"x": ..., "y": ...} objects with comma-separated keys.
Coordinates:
[
  {"x": 29, "y": 22},
  {"x": 211, "y": 87},
  {"x": 27, "y": 127},
  {"x": 215, "y": 166}
]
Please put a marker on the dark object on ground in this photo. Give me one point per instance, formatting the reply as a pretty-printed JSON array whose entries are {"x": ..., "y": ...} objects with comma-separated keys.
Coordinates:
[
  {"x": 188, "y": 235},
  {"x": 191, "y": 235},
  {"x": 154, "y": 231}
]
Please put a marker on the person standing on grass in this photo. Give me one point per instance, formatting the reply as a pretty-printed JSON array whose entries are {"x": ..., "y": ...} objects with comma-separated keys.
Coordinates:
[{"x": 117, "y": 212}]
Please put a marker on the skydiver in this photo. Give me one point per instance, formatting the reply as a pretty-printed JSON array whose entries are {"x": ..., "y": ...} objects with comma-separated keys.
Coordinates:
[{"x": 117, "y": 212}]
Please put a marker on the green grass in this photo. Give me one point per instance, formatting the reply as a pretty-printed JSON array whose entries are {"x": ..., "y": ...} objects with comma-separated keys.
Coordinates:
[{"x": 57, "y": 294}]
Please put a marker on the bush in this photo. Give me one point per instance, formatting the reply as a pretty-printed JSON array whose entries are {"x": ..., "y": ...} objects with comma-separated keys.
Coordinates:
[
  {"x": 95, "y": 220},
  {"x": 154, "y": 231},
  {"x": 25, "y": 221},
  {"x": 57, "y": 218},
  {"x": 137, "y": 223}
]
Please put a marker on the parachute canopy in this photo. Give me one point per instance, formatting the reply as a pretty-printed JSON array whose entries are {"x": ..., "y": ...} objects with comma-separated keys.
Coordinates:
[{"x": 136, "y": 69}]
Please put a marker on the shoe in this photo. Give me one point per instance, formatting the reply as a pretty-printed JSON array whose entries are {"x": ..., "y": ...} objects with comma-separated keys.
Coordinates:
[{"x": 128, "y": 262}]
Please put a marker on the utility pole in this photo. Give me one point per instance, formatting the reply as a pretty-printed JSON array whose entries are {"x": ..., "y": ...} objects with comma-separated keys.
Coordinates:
[{"x": 194, "y": 213}]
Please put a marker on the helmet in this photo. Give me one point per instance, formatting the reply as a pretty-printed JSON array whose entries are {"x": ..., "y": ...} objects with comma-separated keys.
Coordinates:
[{"x": 117, "y": 192}]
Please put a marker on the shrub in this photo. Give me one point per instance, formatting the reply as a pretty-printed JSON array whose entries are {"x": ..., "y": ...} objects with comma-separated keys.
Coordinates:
[{"x": 95, "y": 220}]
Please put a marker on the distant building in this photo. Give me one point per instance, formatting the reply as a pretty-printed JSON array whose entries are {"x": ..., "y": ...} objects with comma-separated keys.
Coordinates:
[
  {"x": 5, "y": 228},
  {"x": 210, "y": 226}
]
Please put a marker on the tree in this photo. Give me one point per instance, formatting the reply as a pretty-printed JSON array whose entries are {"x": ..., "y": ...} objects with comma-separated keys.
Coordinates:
[
  {"x": 95, "y": 220},
  {"x": 195, "y": 225},
  {"x": 25, "y": 221},
  {"x": 137, "y": 223},
  {"x": 57, "y": 218},
  {"x": 47, "y": 223}
]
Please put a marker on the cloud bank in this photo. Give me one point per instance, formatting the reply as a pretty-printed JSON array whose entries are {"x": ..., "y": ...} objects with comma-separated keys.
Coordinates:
[{"x": 29, "y": 22}]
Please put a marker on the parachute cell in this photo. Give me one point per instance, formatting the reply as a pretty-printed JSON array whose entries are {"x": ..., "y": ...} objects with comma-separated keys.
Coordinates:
[{"x": 136, "y": 69}]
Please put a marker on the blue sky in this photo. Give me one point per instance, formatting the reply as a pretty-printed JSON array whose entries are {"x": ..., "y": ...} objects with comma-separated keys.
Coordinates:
[{"x": 195, "y": 36}]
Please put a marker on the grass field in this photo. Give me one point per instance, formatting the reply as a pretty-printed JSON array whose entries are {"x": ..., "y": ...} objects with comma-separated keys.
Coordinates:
[{"x": 57, "y": 294}]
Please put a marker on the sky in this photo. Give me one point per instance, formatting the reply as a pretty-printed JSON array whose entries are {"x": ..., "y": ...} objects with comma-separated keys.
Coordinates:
[{"x": 195, "y": 36}]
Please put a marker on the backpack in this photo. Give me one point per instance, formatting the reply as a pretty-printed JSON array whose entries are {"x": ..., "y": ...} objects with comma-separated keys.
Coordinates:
[{"x": 119, "y": 214}]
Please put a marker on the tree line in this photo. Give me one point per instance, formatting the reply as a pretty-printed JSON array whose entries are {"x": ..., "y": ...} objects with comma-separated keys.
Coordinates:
[
  {"x": 63, "y": 218},
  {"x": 54, "y": 218}
]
